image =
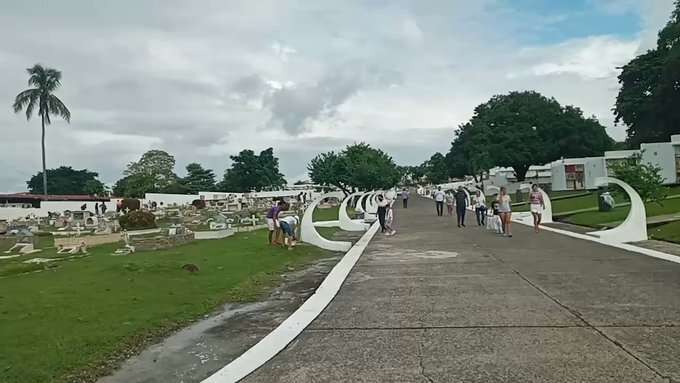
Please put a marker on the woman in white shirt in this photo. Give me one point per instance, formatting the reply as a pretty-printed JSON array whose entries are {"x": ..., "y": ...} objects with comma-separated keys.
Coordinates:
[{"x": 505, "y": 210}]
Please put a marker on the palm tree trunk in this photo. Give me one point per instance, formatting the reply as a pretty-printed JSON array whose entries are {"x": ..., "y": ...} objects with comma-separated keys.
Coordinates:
[{"x": 43, "y": 157}]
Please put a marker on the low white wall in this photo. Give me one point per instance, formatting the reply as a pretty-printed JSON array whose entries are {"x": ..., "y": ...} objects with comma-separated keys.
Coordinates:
[
  {"x": 170, "y": 199},
  {"x": 216, "y": 234},
  {"x": 10, "y": 213}
]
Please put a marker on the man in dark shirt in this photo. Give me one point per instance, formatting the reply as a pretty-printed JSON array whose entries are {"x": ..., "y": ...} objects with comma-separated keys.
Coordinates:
[{"x": 461, "y": 205}]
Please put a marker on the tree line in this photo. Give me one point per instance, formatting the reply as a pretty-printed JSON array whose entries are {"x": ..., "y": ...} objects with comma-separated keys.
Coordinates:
[{"x": 154, "y": 172}]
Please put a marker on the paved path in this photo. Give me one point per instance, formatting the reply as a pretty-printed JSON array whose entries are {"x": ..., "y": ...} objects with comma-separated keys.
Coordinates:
[{"x": 441, "y": 304}]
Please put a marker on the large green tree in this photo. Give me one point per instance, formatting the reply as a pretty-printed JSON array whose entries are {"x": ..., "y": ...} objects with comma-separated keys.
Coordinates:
[
  {"x": 521, "y": 129},
  {"x": 358, "y": 166},
  {"x": 153, "y": 173},
  {"x": 649, "y": 99},
  {"x": 250, "y": 171},
  {"x": 44, "y": 82},
  {"x": 66, "y": 180},
  {"x": 436, "y": 169},
  {"x": 198, "y": 179}
]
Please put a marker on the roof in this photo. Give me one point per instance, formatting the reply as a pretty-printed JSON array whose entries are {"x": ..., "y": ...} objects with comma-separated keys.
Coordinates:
[{"x": 40, "y": 197}]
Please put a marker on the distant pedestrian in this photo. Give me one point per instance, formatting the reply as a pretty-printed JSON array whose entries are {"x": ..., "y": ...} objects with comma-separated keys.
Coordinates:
[
  {"x": 103, "y": 208},
  {"x": 461, "y": 206},
  {"x": 480, "y": 208},
  {"x": 505, "y": 211},
  {"x": 449, "y": 199},
  {"x": 404, "y": 198},
  {"x": 96, "y": 208},
  {"x": 438, "y": 196},
  {"x": 537, "y": 205}
]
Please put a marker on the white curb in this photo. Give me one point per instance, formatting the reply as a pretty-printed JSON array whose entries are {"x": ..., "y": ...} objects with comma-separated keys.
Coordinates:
[{"x": 287, "y": 331}]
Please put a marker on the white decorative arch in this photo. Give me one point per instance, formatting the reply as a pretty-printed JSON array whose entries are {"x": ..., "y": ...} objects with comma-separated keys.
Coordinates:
[
  {"x": 346, "y": 223},
  {"x": 308, "y": 232},
  {"x": 371, "y": 204},
  {"x": 634, "y": 227},
  {"x": 359, "y": 207}
]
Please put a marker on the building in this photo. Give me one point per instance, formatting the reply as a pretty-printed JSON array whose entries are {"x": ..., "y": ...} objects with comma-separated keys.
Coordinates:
[
  {"x": 577, "y": 173},
  {"x": 665, "y": 155},
  {"x": 581, "y": 173}
]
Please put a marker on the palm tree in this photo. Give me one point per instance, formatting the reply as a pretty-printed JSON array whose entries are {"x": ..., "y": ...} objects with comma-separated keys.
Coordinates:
[{"x": 45, "y": 81}]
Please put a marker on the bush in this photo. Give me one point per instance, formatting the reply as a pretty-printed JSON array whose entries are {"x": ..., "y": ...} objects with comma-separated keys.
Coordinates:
[
  {"x": 198, "y": 204},
  {"x": 131, "y": 204},
  {"x": 138, "y": 220}
]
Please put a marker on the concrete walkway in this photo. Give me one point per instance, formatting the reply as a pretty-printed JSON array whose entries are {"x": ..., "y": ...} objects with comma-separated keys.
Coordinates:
[{"x": 440, "y": 304}]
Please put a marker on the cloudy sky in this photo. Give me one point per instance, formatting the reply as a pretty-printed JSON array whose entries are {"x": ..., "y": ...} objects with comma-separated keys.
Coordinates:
[{"x": 204, "y": 80}]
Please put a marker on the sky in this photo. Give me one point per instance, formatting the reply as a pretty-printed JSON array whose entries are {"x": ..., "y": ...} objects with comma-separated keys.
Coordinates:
[{"x": 205, "y": 80}]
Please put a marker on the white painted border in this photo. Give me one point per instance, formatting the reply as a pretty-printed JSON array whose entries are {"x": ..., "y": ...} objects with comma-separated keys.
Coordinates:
[
  {"x": 287, "y": 331},
  {"x": 624, "y": 246}
]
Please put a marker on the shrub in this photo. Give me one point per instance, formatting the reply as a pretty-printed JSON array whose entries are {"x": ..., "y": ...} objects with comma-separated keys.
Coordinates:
[
  {"x": 131, "y": 204},
  {"x": 198, "y": 203},
  {"x": 138, "y": 220}
]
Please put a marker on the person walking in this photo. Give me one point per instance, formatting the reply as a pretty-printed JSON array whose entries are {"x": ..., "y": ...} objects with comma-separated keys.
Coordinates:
[
  {"x": 383, "y": 208},
  {"x": 404, "y": 198},
  {"x": 461, "y": 206},
  {"x": 480, "y": 208},
  {"x": 96, "y": 209},
  {"x": 537, "y": 205},
  {"x": 439, "y": 201},
  {"x": 505, "y": 210},
  {"x": 449, "y": 198}
]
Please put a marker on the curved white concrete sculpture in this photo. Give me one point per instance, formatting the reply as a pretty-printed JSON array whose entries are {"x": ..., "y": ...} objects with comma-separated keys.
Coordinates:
[
  {"x": 359, "y": 208},
  {"x": 346, "y": 223},
  {"x": 634, "y": 228},
  {"x": 308, "y": 232},
  {"x": 371, "y": 204}
]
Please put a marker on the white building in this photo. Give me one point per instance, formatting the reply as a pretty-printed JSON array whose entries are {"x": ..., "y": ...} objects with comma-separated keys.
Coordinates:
[
  {"x": 581, "y": 173},
  {"x": 665, "y": 155},
  {"x": 577, "y": 173}
]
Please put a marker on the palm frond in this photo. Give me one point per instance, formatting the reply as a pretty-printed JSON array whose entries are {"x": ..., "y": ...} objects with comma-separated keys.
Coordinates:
[
  {"x": 26, "y": 99},
  {"x": 58, "y": 108}
]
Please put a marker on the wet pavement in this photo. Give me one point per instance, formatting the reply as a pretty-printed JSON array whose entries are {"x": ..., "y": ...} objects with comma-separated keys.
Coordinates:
[{"x": 436, "y": 303}]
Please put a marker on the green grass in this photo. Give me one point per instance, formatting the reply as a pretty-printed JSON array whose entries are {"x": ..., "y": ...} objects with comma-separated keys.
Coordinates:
[
  {"x": 669, "y": 232},
  {"x": 330, "y": 214},
  {"x": 65, "y": 323},
  {"x": 595, "y": 218}
]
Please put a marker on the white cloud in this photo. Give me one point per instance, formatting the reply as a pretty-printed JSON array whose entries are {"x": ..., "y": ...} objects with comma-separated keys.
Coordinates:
[{"x": 205, "y": 82}]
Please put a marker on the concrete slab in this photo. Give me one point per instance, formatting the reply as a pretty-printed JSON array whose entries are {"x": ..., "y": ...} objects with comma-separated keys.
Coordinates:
[
  {"x": 659, "y": 347},
  {"x": 346, "y": 356},
  {"x": 617, "y": 299},
  {"x": 528, "y": 355}
]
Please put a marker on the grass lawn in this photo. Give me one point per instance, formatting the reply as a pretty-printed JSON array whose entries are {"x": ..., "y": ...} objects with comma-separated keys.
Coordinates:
[
  {"x": 595, "y": 218},
  {"x": 330, "y": 214},
  {"x": 73, "y": 322},
  {"x": 669, "y": 232}
]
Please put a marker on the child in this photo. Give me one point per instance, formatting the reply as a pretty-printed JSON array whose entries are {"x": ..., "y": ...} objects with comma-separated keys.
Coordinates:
[{"x": 494, "y": 222}]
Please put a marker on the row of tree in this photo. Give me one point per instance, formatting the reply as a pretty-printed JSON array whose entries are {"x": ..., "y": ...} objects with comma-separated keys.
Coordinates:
[
  {"x": 154, "y": 173},
  {"x": 358, "y": 166}
]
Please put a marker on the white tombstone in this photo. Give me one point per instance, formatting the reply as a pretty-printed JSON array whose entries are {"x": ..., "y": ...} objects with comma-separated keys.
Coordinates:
[
  {"x": 308, "y": 231},
  {"x": 634, "y": 227}
]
